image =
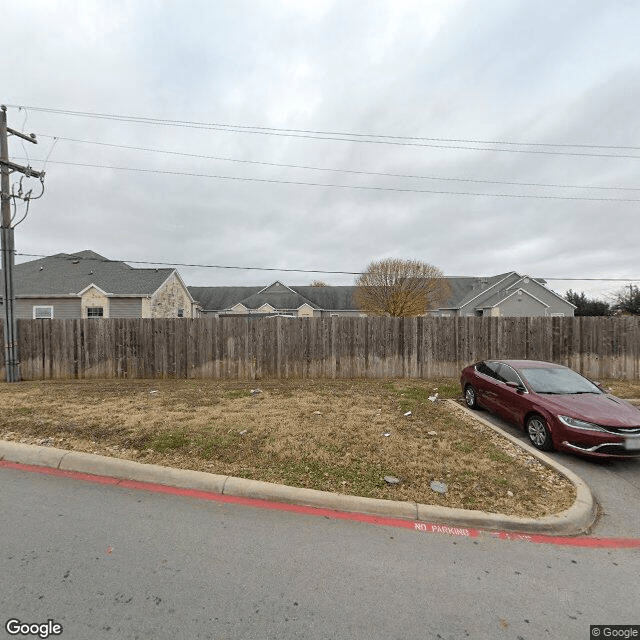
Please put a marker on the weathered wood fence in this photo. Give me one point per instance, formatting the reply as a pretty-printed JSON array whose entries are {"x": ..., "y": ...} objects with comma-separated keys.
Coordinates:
[{"x": 318, "y": 347}]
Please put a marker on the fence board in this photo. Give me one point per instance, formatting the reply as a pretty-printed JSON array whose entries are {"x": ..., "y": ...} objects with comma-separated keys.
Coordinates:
[{"x": 336, "y": 347}]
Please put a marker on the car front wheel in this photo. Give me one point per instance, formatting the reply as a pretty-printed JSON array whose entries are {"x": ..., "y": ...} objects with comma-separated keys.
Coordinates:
[
  {"x": 539, "y": 433},
  {"x": 470, "y": 397}
]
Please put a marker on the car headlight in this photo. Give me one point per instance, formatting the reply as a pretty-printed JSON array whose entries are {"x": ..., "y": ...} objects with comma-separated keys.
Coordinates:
[{"x": 580, "y": 424}]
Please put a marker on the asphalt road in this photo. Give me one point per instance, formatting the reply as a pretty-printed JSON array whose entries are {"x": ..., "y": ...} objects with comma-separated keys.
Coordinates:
[
  {"x": 110, "y": 562},
  {"x": 614, "y": 483}
]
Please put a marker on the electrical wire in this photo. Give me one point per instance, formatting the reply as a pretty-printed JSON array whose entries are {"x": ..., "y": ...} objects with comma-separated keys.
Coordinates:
[
  {"x": 218, "y": 266},
  {"x": 411, "y": 141},
  {"x": 184, "y": 264},
  {"x": 340, "y": 186},
  {"x": 333, "y": 170}
]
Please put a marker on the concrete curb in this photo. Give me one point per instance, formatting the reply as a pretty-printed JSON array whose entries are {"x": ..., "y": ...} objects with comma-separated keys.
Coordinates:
[
  {"x": 574, "y": 520},
  {"x": 578, "y": 518}
]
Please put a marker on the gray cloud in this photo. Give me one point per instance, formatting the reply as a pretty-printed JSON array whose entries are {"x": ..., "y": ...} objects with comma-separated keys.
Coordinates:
[{"x": 563, "y": 72}]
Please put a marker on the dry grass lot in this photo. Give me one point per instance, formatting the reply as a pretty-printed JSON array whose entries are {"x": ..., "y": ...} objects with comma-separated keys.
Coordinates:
[{"x": 342, "y": 436}]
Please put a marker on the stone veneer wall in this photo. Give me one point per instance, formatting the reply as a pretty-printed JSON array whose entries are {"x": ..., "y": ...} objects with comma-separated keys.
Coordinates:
[
  {"x": 93, "y": 298},
  {"x": 171, "y": 297}
]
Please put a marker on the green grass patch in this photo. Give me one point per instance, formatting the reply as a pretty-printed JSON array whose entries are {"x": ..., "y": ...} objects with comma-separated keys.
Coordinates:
[
  {"x": 498, "y": 456},
  {"x": 365, "y": 479},
  {"x": 220, "y": 446},
  {"x": 165, "y": 442},
  {"x": 410, "y": 398},
  {"x": 448, "y": 390},
  {"x": 417, "y": 394},
  {"x": 237, "y": 393},
  {"x": 464, "y": 447}
]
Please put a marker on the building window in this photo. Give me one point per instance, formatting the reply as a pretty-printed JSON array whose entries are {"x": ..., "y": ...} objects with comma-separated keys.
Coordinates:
[
  {"x": 180, "y": 313},
  {"x": 42, "y": 312},
  {"x": 95, "y": 312}
]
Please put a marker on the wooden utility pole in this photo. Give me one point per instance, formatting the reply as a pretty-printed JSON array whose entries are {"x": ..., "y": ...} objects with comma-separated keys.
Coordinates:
[{"x": 8, "y": 248}]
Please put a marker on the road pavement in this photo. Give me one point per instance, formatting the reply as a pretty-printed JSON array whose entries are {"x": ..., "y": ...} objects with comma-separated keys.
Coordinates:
[{"x": 106, "y": 561}]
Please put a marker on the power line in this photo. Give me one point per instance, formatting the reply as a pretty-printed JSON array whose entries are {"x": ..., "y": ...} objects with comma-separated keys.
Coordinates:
[
  {"x": 334, "y": 170},
  {"x": 597, "y": 279},
  {"x": 411, "y": 141},
  {"x": 218, "y": 266},
  {"x": 339, "y": 186},
  {"x": 149, "y": 119}
]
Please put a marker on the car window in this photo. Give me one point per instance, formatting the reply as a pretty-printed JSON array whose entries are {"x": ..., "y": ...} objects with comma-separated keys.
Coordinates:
[
  {"x": 490, "y": 369},
  {"x": 558, "y": 380},
  {"x": 508, "y": 374}
]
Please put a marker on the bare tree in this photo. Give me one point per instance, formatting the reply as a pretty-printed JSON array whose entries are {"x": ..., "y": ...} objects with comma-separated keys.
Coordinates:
[
  {"x": 400, "y": 288},
  {"x": 318, "y": 283}
]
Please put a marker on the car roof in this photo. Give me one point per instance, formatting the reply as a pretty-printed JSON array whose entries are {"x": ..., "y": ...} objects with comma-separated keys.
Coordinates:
[{"x": 527, "y": 364}]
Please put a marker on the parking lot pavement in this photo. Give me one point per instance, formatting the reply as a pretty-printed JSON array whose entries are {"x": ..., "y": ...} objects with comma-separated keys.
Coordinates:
[{"x": 614, "y": 483}]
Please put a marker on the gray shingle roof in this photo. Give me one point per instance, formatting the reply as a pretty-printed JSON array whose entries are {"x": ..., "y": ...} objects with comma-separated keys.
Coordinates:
[
  {"x": 466, "y": 289},
  {"x": 220, "y": 298},
  {"x": 330, "y": 298},
  {"x": 64, "y": 274},
  {"x": 463, "y": 290},
  {"x": 277, "y": 299}
]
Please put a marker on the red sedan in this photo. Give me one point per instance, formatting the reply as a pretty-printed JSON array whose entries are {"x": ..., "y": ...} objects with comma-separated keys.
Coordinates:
[{"x": 557, "y": 407}]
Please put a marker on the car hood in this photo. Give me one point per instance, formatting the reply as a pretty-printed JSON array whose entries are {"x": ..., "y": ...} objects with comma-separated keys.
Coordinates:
[{"x": 602, "y": 409}]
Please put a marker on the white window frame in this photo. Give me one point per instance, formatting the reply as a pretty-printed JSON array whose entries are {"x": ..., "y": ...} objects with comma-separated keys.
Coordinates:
[
  {"x": 43, "y": 306},
  {"x": 96, "y": 316}
]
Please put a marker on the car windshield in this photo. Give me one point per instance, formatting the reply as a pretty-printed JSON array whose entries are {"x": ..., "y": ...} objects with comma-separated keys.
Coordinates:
[{"x": 558, "y": 380}]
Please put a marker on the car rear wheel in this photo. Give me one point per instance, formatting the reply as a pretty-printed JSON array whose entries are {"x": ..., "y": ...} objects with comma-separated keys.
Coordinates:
[
  {"x": 539, "y": 433},
  {"x": 470, "y": 397}
]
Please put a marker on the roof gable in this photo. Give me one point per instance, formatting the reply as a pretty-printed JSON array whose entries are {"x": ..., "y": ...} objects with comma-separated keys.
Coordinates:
[
  {"x": 220, "y": 298},
  {"x": 502, "y": 296},
  {"x": 276, "y": 287},
  {"x": 484, "y": 288},
  {"x": 541, "y": 283},
  {"x": 93, "y": 286},
  {"x": 278, "y": 298}
]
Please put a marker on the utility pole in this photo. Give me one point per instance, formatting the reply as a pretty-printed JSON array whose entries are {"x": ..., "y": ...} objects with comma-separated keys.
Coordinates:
[{"x": 8, "y": 248}]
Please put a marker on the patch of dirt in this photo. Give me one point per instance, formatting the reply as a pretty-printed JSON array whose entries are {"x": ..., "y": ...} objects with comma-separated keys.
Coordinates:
[
  {"x": 627, "y": 389},
  {"x": 343, "y": 436}
]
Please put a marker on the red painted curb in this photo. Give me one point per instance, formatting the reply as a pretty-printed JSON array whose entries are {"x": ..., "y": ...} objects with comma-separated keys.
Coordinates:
[{"x": 424, "y": 527}]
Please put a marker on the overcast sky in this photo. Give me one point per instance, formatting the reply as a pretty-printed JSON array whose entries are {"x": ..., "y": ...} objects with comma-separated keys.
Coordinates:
[{"x": 442, "y": 80}]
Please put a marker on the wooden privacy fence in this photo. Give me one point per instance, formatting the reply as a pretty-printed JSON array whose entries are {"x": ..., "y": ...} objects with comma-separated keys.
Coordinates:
[{"x": 337, "y": 347}]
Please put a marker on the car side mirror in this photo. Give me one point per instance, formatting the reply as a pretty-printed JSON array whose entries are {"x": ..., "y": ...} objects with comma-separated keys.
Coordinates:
[{"x": 516, "y": 386}]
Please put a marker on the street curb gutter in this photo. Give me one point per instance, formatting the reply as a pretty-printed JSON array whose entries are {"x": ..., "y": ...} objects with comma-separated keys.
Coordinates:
[{"x": 577, "y": 519}]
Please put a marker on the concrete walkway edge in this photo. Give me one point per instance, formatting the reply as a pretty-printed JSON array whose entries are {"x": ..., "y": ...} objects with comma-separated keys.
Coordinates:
[{"x": 577, "y": 519}]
